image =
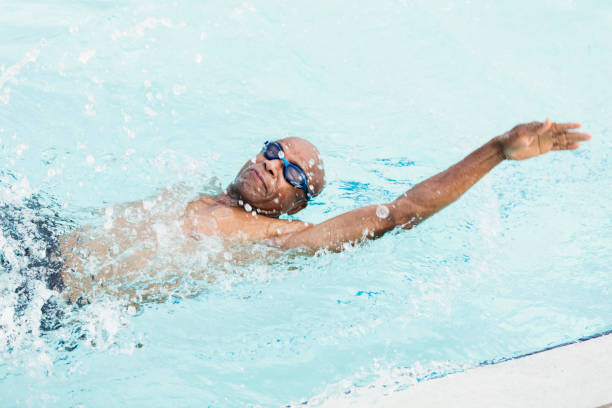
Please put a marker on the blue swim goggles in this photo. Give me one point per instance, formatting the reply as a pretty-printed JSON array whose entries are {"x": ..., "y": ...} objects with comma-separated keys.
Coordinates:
[{"x": 292, "y": 172}]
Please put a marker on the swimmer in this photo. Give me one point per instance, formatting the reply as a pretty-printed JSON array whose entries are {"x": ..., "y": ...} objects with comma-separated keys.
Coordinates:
[
  {"x": 281, "y": 179},
  {"x": 286, "y": 174}
]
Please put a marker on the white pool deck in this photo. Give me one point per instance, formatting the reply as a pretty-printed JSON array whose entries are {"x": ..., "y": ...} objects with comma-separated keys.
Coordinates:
[{"x": 576, "y": 375}]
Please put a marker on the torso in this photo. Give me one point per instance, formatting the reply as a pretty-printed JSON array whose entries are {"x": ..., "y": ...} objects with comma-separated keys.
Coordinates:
[{"x": 136, "y": 243}]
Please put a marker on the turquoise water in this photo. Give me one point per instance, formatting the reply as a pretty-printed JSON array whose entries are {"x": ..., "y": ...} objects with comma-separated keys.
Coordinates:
[{"x": 103, "y": 103}]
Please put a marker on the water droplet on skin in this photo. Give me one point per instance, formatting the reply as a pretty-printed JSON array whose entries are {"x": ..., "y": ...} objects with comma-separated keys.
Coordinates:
[
  {"x": 227, "y": 256},
  {"x": 276, "y": 201},
  {"x": 281, "y": 154},
  {"x": 253, "y": 213},
  {"x": 239, "y": 202},
  {"x": 311, "y": 162},
  {"x": 247, "y": 207},
  {"x": 382, "y": 211},
  {"x": 253, "y": 160}
]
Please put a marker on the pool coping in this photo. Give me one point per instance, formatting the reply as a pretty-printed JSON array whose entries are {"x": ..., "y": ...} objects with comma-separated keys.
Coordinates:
[{"x": 574, "y": 374}]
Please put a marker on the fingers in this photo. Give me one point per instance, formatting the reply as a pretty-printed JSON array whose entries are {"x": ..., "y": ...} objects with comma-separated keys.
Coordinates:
[
  {"x": 562, "y": 127},
  {"x": 571, "y": 146},
  {"x": 578, "y": 137},
  {"x": 568, "y": 140}
]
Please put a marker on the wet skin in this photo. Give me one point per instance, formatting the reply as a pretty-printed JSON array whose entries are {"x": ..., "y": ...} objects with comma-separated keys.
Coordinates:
[
  {"x": 248, "y": 209},
  {"x": 259, "y": 184}
]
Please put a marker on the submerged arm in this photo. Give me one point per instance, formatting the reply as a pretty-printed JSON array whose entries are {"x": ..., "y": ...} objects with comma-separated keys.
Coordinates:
[{"x": 435, "y": 193}]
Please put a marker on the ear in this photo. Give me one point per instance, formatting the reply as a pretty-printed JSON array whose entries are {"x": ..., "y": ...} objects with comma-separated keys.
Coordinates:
[{"x": 297, "y": 208}]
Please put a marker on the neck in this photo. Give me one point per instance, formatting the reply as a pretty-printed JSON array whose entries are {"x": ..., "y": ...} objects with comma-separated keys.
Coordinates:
[{"x": 230, "y": 198}]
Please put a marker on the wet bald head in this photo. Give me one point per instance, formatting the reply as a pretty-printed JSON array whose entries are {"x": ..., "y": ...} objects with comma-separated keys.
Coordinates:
[{"x": 262, "y": 184}]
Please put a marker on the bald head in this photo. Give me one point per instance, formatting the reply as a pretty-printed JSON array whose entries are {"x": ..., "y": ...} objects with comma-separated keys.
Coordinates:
[{"x": 262, "y": 184}]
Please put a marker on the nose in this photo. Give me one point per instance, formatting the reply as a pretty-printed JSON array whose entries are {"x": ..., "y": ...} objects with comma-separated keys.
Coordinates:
[{"x": 273, "y": 166}]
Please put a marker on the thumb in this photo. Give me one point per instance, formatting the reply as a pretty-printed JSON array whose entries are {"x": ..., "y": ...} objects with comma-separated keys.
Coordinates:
[{"x": 544, "y": 127}]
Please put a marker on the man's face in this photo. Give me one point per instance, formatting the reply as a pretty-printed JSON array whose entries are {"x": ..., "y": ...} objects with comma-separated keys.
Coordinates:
[{"x": 261, "y": 182}]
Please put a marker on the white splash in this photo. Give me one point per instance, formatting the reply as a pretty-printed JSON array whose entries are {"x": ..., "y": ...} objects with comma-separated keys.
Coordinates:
[
  {"x": 179, "y": 89},
  {"x": 149, "y": 111},
  {"x": 150, "y": 23},
  {"x": 85, "y": 56},
  {"x": 12, "y": 71}
]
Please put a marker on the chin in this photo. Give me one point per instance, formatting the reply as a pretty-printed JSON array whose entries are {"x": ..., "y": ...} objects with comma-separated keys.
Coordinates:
[{"x": 245, "y": 193}]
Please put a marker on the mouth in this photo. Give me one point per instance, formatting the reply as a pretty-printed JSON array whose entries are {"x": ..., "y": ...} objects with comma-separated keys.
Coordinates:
[{"x": 258, "y": 177}]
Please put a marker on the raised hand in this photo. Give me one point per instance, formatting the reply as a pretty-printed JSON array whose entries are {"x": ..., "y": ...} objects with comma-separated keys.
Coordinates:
[{"x": 536, "y": 138}]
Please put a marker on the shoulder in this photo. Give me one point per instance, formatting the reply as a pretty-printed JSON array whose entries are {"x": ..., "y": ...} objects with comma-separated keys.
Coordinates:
[{"x": 207, "y": 217}]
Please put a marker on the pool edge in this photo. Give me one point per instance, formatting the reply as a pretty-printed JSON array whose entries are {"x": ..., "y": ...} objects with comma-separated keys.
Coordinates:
[{"x": 577, "y": 374}]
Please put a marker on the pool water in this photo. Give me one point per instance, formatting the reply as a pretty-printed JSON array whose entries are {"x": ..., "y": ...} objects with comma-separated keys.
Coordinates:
[{"x": 104, "y": 103}]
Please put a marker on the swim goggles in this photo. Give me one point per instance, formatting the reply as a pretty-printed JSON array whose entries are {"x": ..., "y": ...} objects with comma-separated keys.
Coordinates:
[{"x": 292, "y": 172}]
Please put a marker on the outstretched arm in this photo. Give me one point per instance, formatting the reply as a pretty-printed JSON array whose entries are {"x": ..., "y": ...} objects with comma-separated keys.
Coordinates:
[{"x": 430, "y": 196}]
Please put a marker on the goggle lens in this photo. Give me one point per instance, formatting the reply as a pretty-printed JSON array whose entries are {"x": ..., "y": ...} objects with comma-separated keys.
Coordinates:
[{"x": 295, "y": 176}]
